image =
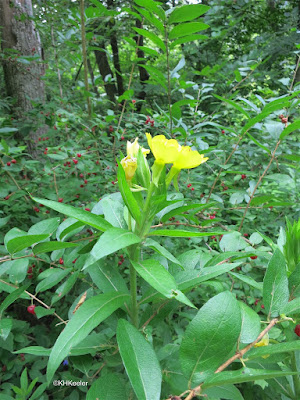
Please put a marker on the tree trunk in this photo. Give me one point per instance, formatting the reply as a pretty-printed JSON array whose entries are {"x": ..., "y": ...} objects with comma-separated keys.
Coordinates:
[
  {"x": 22, "y": 80},
  {"x": 104, "y": 69},
  {"x": 144, "y": 76}
]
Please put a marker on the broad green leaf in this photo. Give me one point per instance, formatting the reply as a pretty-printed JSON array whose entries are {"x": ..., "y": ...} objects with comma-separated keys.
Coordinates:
[
  {"x": 182, "y": 233},
  {"x": 127, "y": 195},
  {"x": 292, "y": 307},
  {"x": 18, "y": 270},
  {"x": 186, "y": 39},
  {"x": 20, "y": 243},
  {"x": 247, "y": 279},
  {"x": 275, "y": 286},
  {"x": 53, "y": 279},
  {"x": 290, "y": 128},
  {"x": 152, "y": 6},
  {"x": 91, "y": 313},
  {"x": 111, "y": 241},
  {"x": 5, "y": 327},
  {"x": 187, "y": 13},
  {"x": 12, "y": 297},
  {"x": 140, "y": 362},
  {"x": 48, "y": 226},
  {"x": 84, "y": 216},
  {"x": 180, "y": 210},
  {"x": 4, "y": 221},
  {"x": 108, "y": 387},
  {"x": 274, "y": 349},
  {"x": 161, "y": 250},
  {"x": 151, "y": 36},
  {"x": 51, "y": 246},
  {"x": 226, "y": 392},
  {"x": 160, "y": 279},
  {"x": 114, "y": 212},
  {"x": 106, "y": 277},
  {"x": 250, "y": 324},
  {"x": 210, "y": 337},
  {"x": 42, "y": 312},
  {"x": 152, "y": 19},
  {"x": 187, "y": 29},
  {"x": 232, "y": 241},
  {"x": 64, "y": 289},
  {"x": 68, "y": 228},
  {"x": 233, "y": 104},
  {"x": 243, "y": 375},
  {"x": 258, "y": 144}
]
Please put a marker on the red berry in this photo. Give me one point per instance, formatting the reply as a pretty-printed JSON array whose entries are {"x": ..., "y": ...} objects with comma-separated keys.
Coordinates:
[
  {"x": 122, "y": 138},
  {"x": 243, "y": 176},
  {"x": 222, "y": 131},
  {"x": 111, "y": 129},
  {"x": 30, "y": 276},
  {"x": 297, "y": 330},
  {"x": 60, "y": 200},
  {"x": 81, "y": 175},
  {"x": 113, "y": 182},
  {"x": 30, "y": 309},
  {"x": 45, "y": 152},
  {"x": 61, "y": 261},
  {"x": 256, "y": 302},
  {"x": 13, "y": 161},
  {"x": 36, "y": 209},
  {"x": 74, "y": 261},
  {"x": 78, "y": 155},
  {"x": 284, "y": 120},
  {"x": 8, "y": 163},
  {"x": 29, "y": 271},
  {"x": 4, "y": 368},
  {"x": 192, "y": 189},
  {"x": 253, "y": 257},
  {"x": 246, "y": 234},
  {"x": 212, "y": 217},
  {"x": 120, "y": 262},
  {"x": 81, "y": 185},
  {"x": 87, "y": 209},
  {"x": 189, "y": 185},
  {"x": 47, "y": 212},
  {"x": 133, "y": 101},
  {"x": 75, "y": 161},
  {"x": 85, "y": 181},
  {"x": 262, "y": 306}
]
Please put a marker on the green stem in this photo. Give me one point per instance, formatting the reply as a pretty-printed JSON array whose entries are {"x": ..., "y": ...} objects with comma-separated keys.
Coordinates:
[
  {"x": 133, "y": 287},
  {"x": 151, "y": 189},
  {"x": 296, "y": 378}
]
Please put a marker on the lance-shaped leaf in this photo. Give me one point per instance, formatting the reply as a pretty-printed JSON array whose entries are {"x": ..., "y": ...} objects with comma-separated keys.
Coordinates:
[
  {"x": 140, "y": 362},
  {"x": 187, "y": 12},
  {"x": 127, "y": 195},
  {"x": 81, "y": 215},
  {"x": 111, "y": 241},
  {"x": 275, "y": 286},
  {"x": 210, "y": 338},
  {"x": 22, "y": 242},
  {"x": 92, "y": 312},
  {"x": 160, "y": 279}
]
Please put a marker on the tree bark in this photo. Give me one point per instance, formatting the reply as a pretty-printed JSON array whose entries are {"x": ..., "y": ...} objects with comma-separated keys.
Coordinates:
[
  {"x": 104, "y": 69},
  {"x": 23, "y": 81},
  {"x": 144, "y": 76}
]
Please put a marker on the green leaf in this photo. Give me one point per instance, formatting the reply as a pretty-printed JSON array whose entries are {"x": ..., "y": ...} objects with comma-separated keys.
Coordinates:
[
  {"x": 8, "y": 130},
  {"x": 232, "y": 241},
  {"x": 108, "y": 387},
  {"x": 152, "y": 19},
  {"x": 114, "y": 212},
  {"x": 243, "y": 375},
  {"x": 292, "y": 307},
  {"x": 92, "y": 312},
  {"x": 84, "y": 216},
  {"x": 160, "y": 279},
  {"x": 18, "y": 270},
  {"x": 186, "y": 39},
  {"x": 161, "y": 250},
  {"x": 152, "y": 6},
  {"x": 156, "y": 74},
  {"x": 225, "y": 392},
  {"x": 4, "y": 221},
  {"x": 140, "y": 362},
  {"x": 64, "y": 288},
  {"x": 42, "y": 312},
  {"x": 233, "y": 104},
  {"x": 187, "y": 29},
  {"x": 111, "y": 241},
  {"x": 258, "y": 144},
  {"x": 12, "y": 297},
  {"x": 24, "y": 380},
  {"x": 187, "y": 13},
  {"x": 51, "y": 246},
  {"x": 127, "y": 195},
  {"x": 5, "y": 327},
  {"x": 210, "y": 337},
  {"x": 52, "y": 280},
  {"x": 38, "y": 392},
  {"x": 106, "y": 277},
  {"x": 48, "y": 226},
  {"x": 247, "y": 279},
  {"x": 274, "y": 349},
  {"x": 250, "y": 324},
  {"x": 180, "y": 210},
  {"x": 275, "y": 286},
  {"x": 291, "y": 128},
  {"x": 151, "y": 36},
  {"x": 20, "y": 243},
  {"x": 34, "y": 350},
  {"x": 182, "y": 233}
]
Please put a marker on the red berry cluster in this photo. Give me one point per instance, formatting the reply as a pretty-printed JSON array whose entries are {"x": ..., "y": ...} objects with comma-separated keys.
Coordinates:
[
  {"x": 243, "y": 176},
  {"x": 61, "y": 261},
  {"x": 297, "y": 330},
  {"x": 212, "y": 216},
  {"x": 189, "y": 186},
  {"x": 121, "y": 259},
  {"x": 284, "y": 119},
  {"x": 13, "y": 161},
  {"x": 110, "y": 128},
  {"x": 224, "y": 186},
  {"x": 30, "y": 271},
  {"x": 22, "y": 357},
  {"x": 149, "y": 121}
]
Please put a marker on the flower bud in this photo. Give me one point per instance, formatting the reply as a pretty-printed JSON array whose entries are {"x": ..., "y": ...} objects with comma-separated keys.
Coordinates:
[{"x": 129, "y": 165}]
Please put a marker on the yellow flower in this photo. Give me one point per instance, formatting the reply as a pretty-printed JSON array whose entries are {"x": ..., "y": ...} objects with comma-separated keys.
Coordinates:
[
  {"x": 133, "y": 149},
  {"x": 164, "y": 150},
  {"x": 188, "y": 158},
  {"x": 129, "y": 165},
  {"x": 264, "y": 342}
]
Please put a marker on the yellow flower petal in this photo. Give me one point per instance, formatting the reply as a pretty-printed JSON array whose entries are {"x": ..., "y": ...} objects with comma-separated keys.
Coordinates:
[
  {"x": 164, "y": 150},
  {"x": 129, "y": 165},
  {"x": 133, "y": 149},
  {"x": 264, "y": 341},
  {"x": 188, "y": 158}
]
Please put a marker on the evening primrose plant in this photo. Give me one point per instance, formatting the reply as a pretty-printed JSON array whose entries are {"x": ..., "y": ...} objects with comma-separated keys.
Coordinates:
[{"x": 126, "y": 310}]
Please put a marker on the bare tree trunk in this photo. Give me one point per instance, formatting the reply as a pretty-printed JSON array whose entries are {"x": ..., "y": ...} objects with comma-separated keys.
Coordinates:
[
  {"x": 144, "y": 76},
  {"x": 105, "y": 70},
  {"x": 22, "y": 80}
]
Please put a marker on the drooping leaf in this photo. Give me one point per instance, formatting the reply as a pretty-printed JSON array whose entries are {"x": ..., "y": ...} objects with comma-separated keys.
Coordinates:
[{"x": 187, "y": 12}]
